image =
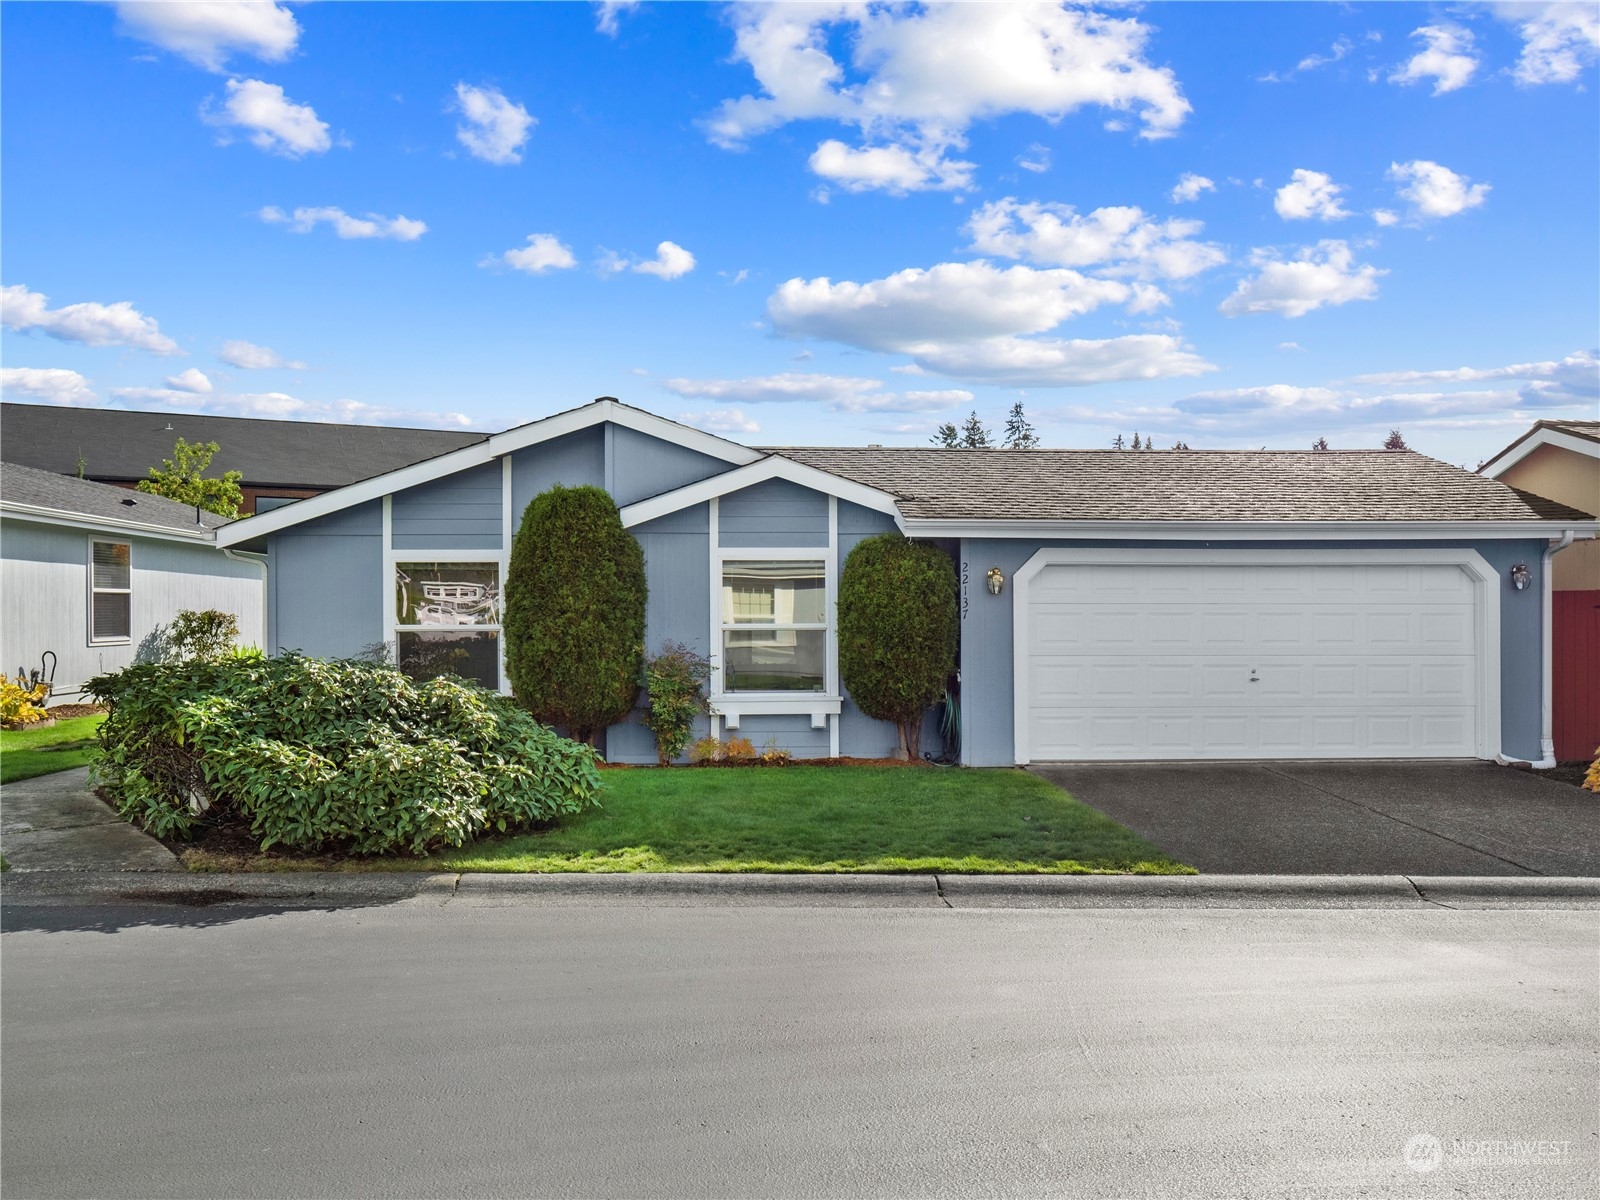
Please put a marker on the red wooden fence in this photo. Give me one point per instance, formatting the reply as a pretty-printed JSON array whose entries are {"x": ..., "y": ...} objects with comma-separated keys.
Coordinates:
[{"x": 1575, "y": 678}]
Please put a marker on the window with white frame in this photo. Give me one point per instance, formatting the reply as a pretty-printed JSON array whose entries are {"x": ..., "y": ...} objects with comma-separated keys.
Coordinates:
[
  {"x": 110, "y": 592},
  {"x": 447, "y": 620},
  {"x": 774, "y": 625}
]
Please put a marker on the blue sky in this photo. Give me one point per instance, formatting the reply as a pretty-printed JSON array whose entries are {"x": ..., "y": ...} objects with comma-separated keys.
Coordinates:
[{"x": 1230, "y": 224}]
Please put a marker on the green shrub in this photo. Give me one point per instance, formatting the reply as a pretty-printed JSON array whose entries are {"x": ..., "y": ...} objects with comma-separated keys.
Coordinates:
[
  {"x": 316, "y": 753},
  {"x": 899, "y": 622},
  {"x": 574, "y": 616},
  {"x": 673, "y": 680}
]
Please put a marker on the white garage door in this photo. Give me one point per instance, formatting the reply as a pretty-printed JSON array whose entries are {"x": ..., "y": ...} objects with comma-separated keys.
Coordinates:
[{"x": 1250, "y": 661}]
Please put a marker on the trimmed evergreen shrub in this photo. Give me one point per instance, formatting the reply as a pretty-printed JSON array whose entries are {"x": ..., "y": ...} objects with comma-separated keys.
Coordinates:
[
  {"x": 574, "y": 614},
  {"x": 317, "y": 752},
  {"x": 899, "y": 621}
]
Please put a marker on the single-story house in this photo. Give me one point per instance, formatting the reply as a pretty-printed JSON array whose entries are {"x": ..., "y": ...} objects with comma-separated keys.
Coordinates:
[
  {"x": 1560, "y": 460},
  {"x": 279, "y": 461},
  {"x": 1161, "y": 605},
  {"x": 89, "y": 571}
]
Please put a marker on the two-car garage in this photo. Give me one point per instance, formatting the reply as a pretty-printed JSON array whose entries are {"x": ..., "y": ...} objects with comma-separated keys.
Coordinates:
[{"x": 1251, "y": 654}]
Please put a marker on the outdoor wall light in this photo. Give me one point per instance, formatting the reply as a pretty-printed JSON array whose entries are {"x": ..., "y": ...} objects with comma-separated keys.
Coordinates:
[
  {"x": 1521, "y": 577},
  {"x": 997, "y": 581}
]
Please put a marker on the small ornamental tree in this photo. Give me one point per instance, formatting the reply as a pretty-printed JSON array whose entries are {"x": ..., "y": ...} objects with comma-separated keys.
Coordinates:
[
  {"x": 1394, "y": 441},
  {"x": 899, "y": 621},
  {"x": 574, "y": 614},
  {"x": 182, "y": 478}
]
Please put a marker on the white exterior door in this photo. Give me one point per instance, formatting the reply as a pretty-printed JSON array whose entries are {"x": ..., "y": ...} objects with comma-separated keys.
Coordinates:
[{"x": 1125, "y": 660}]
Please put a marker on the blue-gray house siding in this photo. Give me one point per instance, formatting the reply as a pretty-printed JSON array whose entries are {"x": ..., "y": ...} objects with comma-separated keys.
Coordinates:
[{"x": 325, "y": 584}]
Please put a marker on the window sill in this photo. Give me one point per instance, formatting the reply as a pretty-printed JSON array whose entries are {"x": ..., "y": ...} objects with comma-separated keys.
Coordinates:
[{"x": 732, "y": 707}]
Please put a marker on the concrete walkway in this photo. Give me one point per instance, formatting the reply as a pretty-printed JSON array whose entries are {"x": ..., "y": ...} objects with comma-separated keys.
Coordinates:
[{"x": 55, "y": 823}]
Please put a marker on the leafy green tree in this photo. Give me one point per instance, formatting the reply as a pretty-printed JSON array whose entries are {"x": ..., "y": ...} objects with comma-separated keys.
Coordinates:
[
  {"x": 899, "y": 621},
  {"x": 182, "y": 478},
  {"x": 574, "y": 613},
  {"x": 1019, "y": 432}
]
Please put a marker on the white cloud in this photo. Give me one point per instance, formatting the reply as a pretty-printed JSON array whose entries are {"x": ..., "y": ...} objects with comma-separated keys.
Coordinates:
[
  {"x": 916, "y": 78},
  {"x": 1324, "y": 274},
  {"x": 1310, "y": 194},
  {"x": 247, "y": 356},
  {"x": 1436, "y": 191},
  {"x": 1447, "y": 58},
  {"x": 53, "y": 385},
  {"x": 278, "y": 125},
  {"x": 1122, "y": 240},
  {"x": 1559, "y": 40},
  {"x": 544, "y": 252},
  {"x": 284, "y": 407},
  {"x": 1036, "y": 158},
  {"x": 192, "y": 380},
  {"x": 1190, "y": 186},
  {"x": 607, "y": 12},
  {"x": 1290, "y": 346},
  {"x": 208, "y": 32},
  {"x": 118, "y": 324},
  {"x": 671, "y": 262},
  {"x": 304, "y": 220},
  {"x": 721, "y": 420},
  {"x": 894, "y": 169},
  {"x": 1385, "y": 217},
  {"x": 968, "y": 321},
  {"x": 1572, "y": 380},
  {"x": 842, "y": 393},
  {"x": 496, "y": 129}
]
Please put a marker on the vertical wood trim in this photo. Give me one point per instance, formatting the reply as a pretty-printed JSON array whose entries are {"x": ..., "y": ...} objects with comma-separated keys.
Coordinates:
[
  {"x": 386, "y": 590},
  {"x": 714, "y": 634},
  {"x": 831, "y": 602},
  {"x": 507, "y": 534}
]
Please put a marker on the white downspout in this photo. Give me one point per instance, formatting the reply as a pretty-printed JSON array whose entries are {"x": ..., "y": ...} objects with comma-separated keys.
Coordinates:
[
  {"x": 240, "y": 556},
  {"x": 1547, "y": 717}
]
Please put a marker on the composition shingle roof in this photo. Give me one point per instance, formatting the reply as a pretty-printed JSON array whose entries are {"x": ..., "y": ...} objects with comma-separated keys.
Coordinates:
[
  {"x": 124, "y": 445},
  {"x": 1179, "y": 485},
  {"x": 1583, "y": 429},
  {"x": 63, "y": 493}
]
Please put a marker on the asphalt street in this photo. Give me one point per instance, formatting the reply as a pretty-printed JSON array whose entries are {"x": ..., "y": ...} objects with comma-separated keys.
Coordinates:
[{"x": 635, "y": 1050}]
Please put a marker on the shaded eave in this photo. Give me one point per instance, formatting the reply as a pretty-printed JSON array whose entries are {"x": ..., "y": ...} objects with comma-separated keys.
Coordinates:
[{"x": 1541, "y": 434}]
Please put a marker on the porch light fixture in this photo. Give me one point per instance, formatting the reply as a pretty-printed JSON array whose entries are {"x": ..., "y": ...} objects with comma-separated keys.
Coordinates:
[
  {"x": 997, "y": 581},
  {"x": 1521, "y": 577}
]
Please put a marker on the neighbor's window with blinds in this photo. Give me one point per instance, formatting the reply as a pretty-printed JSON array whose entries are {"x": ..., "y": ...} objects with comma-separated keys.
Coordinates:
[{"x": 110, "y": 592}]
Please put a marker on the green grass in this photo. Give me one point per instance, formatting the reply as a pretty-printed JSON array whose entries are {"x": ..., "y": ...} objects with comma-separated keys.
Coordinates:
[
  {"x": 25, "y": 753},
  {"x": 798, "y": 818}
]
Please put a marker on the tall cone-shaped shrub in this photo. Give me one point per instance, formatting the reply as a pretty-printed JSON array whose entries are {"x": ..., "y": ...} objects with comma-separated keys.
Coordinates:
[
  {"x": 574, "y": 619},
  {"x": 899, "y": 621}
]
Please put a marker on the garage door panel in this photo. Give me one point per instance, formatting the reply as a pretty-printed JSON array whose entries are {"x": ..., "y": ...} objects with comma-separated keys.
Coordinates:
[{"x": 1225, "y": 661}]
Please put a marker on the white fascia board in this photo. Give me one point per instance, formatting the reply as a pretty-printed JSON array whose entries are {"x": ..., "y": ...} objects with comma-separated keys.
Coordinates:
[
  {"x": 495, "y": 446},
  {"x": 1256, "y": 531},
  {"x": 71, "y": 520},
  {"x": 1519, "y": 450},
  {"x": 774, "y": 466}
]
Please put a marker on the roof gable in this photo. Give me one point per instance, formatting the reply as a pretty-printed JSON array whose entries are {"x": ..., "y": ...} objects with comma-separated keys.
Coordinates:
[{"x": 1581, "y": 437}]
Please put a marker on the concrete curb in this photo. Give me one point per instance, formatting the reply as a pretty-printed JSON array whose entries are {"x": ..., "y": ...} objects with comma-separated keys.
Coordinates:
[{"x": 332, "y": 889}]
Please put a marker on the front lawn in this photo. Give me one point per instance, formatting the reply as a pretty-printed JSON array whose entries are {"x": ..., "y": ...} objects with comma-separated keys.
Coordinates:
[
  {"x": 25, "y": 753},
  {"x": 803, "y": 818}
]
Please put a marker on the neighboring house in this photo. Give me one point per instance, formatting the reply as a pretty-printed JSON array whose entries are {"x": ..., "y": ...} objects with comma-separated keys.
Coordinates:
[
  {"x": 1560, "y": 460},
  {"x": 88, "y": 571},
  {"x": 280, "y": 461},
  {"x": 1169, "y": 605}
]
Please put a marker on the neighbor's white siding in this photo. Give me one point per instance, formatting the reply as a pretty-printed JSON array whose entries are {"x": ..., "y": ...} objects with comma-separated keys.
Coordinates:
[{"x": 44, "y": 596}]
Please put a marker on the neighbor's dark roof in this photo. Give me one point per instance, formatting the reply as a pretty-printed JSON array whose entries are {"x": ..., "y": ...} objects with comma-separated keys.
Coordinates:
[
  {"x": 1180, "y": 485},
  {"x": 66, "y": 494},
  {"x": 124, "y": 445}
]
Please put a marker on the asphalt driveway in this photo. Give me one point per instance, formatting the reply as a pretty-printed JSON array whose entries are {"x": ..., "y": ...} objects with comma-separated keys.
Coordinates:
[{"x": 1357, "y": 818}]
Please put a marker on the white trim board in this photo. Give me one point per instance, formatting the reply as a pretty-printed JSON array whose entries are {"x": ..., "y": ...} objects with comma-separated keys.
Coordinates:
[
  {"x": 491, "y": 448},
  {"x": 1253, "y": 531},
  {"x": 772, "y": 467},
  {"x": 1486, "y": 608},
  {"x": 69, "y": 520},
  {"x": 1533, "y": 440}
]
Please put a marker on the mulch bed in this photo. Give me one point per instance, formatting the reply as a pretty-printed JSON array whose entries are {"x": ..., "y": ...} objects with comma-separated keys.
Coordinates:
[
  {"x": 788, "y": 762},
  {"x": 62, "y": 712},
  {"x": 1567, "y": 772}
]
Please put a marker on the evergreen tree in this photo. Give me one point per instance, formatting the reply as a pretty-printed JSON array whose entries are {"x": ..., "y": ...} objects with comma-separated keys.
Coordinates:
[
  {"x": 975, "y": 435},
  {"x": 182, "y": 478},
  {"x": 1117, "y": 443},
  {"x": 1394, "y": 441},
  {"x": 1136, "y": 443},
  {"x": 948, "y": 437},
  {"x": 1019, "y": 433},
  {"x": 1180, "y": 445},
  {"x": 1320, "y": 444}
]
